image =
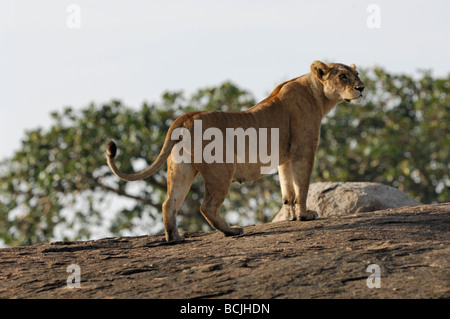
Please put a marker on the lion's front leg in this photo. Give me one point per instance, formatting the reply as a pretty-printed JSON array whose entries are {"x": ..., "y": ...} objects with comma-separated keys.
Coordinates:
[
  {"x": 287, "y": 191},
  {"x": 301, "y": 172}
]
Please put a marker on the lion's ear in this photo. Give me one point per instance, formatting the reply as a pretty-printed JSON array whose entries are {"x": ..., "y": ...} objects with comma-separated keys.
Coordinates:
[
  {"x": 353, "y": 66},
  {"x": 320, "y": 69}
]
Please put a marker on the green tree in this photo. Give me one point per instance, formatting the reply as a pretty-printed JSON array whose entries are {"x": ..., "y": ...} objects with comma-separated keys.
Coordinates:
[
  {"x": 399, "y": 136},
  {"x": 57, "y": 186}
]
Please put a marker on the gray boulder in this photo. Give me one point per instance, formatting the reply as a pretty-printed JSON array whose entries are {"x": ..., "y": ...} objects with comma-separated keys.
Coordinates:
[{"x": 336, "y": 199}]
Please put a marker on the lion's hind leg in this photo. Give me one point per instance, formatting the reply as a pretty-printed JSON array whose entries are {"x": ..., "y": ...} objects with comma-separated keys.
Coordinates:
[
  {"x": 216, "y": 191},
  {"x": 179, "y": 180}
]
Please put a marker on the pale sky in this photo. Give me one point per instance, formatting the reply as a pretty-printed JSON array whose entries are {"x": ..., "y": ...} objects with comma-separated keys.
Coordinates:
[{"x": 135, "y": 50}]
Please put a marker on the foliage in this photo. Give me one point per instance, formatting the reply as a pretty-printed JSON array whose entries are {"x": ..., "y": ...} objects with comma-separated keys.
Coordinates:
[
  {"x": 399, "y": 136},
  {"x": 57, "y": 186}
]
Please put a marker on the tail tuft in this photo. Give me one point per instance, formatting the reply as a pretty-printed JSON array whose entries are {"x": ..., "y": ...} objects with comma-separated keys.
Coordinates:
[{"x": 111, "y": 149}]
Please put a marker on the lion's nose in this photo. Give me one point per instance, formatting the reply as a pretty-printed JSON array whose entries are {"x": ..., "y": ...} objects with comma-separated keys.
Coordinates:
[{"x": 359, "y": 88}]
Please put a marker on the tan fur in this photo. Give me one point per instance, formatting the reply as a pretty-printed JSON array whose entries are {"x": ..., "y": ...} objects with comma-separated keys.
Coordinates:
[{"x": 295, "y": 107}]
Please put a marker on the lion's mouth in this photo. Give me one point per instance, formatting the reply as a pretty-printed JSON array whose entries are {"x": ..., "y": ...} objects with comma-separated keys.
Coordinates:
[{"x": 356, "y": 97}]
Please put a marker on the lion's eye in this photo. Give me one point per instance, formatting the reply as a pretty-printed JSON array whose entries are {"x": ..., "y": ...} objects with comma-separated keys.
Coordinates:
[{"x": 343, "y": 77}]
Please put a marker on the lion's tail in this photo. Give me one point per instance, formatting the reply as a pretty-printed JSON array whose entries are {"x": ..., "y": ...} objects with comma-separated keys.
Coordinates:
[{"x": 111, "y": 150}]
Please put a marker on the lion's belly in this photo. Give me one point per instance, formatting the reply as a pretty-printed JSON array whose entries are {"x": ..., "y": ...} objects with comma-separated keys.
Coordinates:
[{"x": 247, "y": 173}]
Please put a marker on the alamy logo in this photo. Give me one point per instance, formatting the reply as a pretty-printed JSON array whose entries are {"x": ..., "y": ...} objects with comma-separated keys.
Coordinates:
[
  {"x": 374, "y": 280},
  {"x": 74, "y": 279},
  {"x": 374, "y": 19},
  {"x": 74, "y": 19},
  {"x": 235, "y": 146}
]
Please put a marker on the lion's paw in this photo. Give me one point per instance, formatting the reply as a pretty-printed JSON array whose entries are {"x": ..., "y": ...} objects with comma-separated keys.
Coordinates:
[
  {"x": 175, "y": 239},
  {"x": 235, "y": 231},
  {"x": 309, "y": 215}
]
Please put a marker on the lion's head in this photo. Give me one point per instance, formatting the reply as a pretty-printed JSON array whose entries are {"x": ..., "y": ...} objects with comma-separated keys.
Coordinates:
[{"x": 340, "y": 82}]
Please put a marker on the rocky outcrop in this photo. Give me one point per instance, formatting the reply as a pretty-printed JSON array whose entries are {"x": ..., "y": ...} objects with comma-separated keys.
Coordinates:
[
  {"x": 337, "y": 199},
  {"x": 404, "y": 251}
]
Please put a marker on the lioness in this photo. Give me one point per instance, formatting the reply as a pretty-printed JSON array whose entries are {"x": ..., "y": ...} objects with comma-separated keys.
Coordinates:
[{"x": 296, "y": 108}]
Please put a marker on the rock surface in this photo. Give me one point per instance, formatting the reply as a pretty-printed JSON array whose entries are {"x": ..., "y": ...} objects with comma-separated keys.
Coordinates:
[
  {"x": 324, "y": 258},
  {"x": 336, "y": 199}
]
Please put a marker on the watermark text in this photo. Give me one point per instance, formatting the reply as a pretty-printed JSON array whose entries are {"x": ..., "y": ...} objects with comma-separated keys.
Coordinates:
[{"x": 235, "y": 146}]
